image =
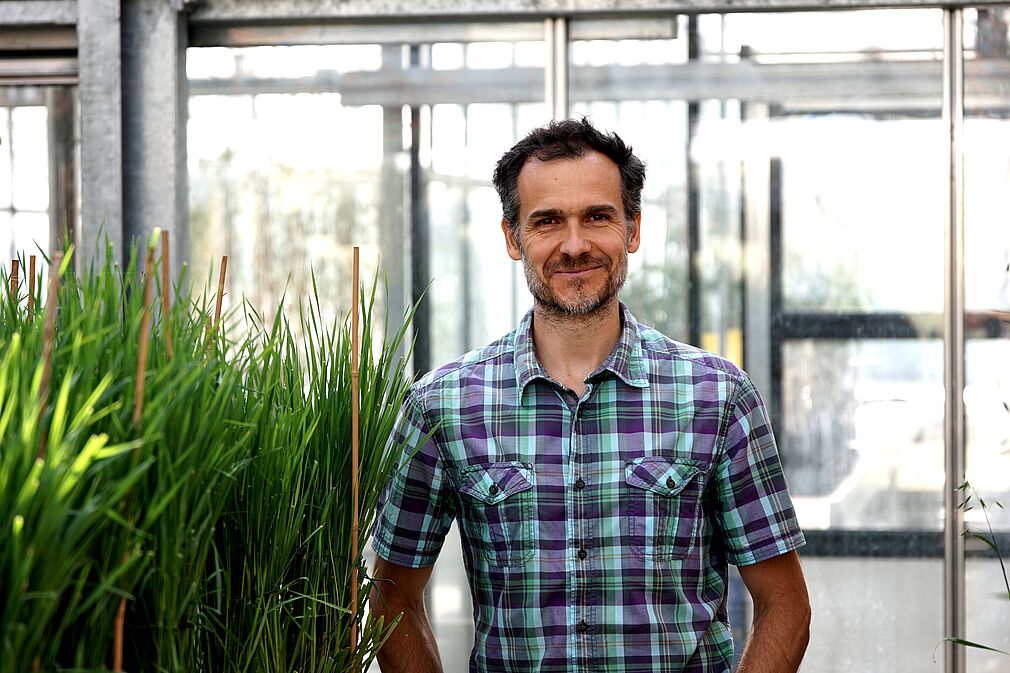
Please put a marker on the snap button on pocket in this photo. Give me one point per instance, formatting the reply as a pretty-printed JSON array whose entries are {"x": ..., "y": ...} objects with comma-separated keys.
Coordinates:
[{"x": 493, "y": 490}]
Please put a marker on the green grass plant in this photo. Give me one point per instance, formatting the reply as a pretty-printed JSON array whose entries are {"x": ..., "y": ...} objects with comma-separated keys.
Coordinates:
[{"x": 224, "y": 516}]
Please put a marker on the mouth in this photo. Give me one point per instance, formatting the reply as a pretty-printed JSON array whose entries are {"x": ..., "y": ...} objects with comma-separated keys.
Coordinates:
[{"x": 575, "y": 273}]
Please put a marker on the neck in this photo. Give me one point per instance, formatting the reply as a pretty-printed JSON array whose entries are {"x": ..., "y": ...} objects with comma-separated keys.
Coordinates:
[{"x": 571, "y": 347}]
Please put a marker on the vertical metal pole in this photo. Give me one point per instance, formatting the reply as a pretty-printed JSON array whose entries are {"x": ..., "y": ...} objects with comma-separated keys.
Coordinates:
[
  {"x": 953, "y": 342},
  {"x": 556, "y": 70}
]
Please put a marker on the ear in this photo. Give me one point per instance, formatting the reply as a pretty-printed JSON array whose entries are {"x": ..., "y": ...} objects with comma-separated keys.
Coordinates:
[
  {"x": 511, "y": 244},
  {"x": 636, "y": 230}
]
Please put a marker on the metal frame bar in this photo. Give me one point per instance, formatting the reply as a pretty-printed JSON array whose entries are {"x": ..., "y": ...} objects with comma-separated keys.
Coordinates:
[
  {"x": 556, "y": 73},
  {"x": 101, "y": 104},
  {"x": 38, "y": 12},
  {"x": 266, "y": 11},
  {"x": 953, "y": 343}
]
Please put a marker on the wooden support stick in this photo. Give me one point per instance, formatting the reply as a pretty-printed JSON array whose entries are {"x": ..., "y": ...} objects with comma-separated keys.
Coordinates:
[
  {"x": 145, "y": 332},
  {"x": 220, "y": 289},
  {"x": 31, "y": 287},
  {"x": 47, "y": 341},
  {"x": 166, "y": 293},
  {"x": 14, "y": 280},
  {"x": 212, "y": 326},
  {"x": 354, "y": 452},
  {"x": 138, "y": 414}
]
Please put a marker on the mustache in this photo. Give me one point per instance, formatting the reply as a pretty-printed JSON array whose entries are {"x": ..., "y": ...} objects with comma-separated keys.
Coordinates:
[{"x": 583, "y": 261}]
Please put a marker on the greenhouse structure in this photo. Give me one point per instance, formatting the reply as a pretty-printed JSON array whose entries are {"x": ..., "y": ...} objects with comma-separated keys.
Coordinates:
[{"x": 827, "y": 205}]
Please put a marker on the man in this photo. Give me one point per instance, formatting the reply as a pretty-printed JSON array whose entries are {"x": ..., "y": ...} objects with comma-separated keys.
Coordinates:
[{"x": 602, "y": 475}]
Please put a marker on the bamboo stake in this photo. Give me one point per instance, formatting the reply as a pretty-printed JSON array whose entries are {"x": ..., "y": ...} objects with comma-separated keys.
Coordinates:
[
  {"x": 47, "y": 342},
  {"x": 138, "y": 412},
  {"x": 220, "y": 295},
  {"x": 31, "y": 288},
  {"x": 354, "y": 452},
  {"x": 14, "y": 280},
  {"x": 166, "y": 298}
]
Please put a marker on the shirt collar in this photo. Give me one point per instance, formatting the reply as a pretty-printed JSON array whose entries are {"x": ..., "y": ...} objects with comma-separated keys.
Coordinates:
[{"x": 626, "y": 360}]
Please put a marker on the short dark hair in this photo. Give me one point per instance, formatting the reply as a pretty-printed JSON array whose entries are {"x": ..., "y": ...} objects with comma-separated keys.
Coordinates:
[{"x": 568, "y": 139}]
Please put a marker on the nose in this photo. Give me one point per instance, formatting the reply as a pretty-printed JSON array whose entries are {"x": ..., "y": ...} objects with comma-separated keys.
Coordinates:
[{"x": 575, "y": 242}]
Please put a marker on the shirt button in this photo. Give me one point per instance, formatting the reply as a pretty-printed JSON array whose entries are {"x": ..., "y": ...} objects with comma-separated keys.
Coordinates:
[
  {"x": 582, "y": 627},
  {"x": 579, "y": 484},
  {"x": 493, "y": 490},
  {"x": 583, "y": 554},
  {"x": 670, "y": 483}
]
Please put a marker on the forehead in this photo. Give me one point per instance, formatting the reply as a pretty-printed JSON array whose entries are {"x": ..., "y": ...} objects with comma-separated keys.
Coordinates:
[{"x": 567, "y": 184}]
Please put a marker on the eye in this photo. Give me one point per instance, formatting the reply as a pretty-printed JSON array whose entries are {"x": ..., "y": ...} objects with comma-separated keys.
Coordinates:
[
  {"x": 545, "y": 221},
  {"x": 599, "y": 217}
]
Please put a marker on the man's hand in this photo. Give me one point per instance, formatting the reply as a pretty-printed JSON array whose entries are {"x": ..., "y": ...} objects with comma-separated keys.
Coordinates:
[
  {"x": 411, "y": 647},
  {"x": 781, "y": 626}
]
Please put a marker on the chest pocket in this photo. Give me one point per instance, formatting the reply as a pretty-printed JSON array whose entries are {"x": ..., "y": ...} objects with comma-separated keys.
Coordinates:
[
  {"x": 664, "y": 500},
  {"x": 498, "y": 511}
]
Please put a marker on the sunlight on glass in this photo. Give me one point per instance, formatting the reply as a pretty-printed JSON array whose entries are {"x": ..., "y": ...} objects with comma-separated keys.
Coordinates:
[
  {"x": 530, "y": 54},
  {"x": 448, "y": 140},
  {"x": 488, "y": 55},
  {"x": 30, "y": 158},
  {"x": 815, "y": 33},
  {"x": 5, "y": 158},
  {"x": 447, "y": 56}
]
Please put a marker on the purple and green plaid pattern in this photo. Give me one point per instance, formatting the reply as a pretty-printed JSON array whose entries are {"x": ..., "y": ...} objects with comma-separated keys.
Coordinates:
[{"x": 596, "y": 537}]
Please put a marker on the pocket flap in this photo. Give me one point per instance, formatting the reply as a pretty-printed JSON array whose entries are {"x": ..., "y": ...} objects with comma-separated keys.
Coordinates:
[
  {"x": 494, "y": 482},
  {"x": 663, "y": 476}
]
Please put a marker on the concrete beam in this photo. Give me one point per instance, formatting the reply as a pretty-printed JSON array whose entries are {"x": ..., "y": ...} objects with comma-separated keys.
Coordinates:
[
  {"x": 225, "y": 11},
  {"x": 101, "y": 129},
  {"x": 38, "y": 12},
  {"x": 155, "y": 98}
]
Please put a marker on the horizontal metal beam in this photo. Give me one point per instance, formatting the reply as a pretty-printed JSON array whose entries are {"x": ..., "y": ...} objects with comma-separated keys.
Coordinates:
[
  {"x": 37, "y": 38},
  {"x": 38, "y": 12},
  {"x": 889, "y": 544},
  {"x": 38, "y": 71},
  {"x": 230, "y": 11},
  {"x": 898, "y": 84},
  {"x": 222, "y": 35}
]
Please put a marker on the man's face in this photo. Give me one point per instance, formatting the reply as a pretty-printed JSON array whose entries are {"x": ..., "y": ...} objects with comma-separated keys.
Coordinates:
[{"x": 573, "y": 236}]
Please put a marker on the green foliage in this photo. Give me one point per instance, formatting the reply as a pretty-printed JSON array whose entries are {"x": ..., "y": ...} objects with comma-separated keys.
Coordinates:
[{"x": 224, "y": 516}]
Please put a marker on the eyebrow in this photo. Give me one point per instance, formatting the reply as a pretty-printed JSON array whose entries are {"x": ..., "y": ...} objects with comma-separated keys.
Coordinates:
[{"x": 557, "y": 212}]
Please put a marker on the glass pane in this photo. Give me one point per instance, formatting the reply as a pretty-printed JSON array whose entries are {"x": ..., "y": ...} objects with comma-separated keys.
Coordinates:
[
  {"x": 863, "y": 619},
  {"x": 30, "y": 158},
  {"x": 796, "y": 196},
  {"x": 477, "y": 292},
  {"x": 863, "y": 433},
  {"x": 286, "y": 183},
  {"x": 30, "y": 235},
  {"x": 7, "y": 252},
  {"x": 987, "y": 356},
  {"x": 5, "y": 160},
  {"x": 881, "y": 250}
]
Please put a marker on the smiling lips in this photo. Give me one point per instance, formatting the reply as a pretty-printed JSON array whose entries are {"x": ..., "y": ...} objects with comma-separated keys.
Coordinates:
[{"x": 577, "y": 272}]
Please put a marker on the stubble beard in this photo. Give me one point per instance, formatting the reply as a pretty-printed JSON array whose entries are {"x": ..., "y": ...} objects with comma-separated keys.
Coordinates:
[{"x": 584, "y": 305}]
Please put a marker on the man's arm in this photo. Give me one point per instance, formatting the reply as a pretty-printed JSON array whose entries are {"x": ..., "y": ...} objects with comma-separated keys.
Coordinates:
[
  {"x": 781, "y": 627},
  {"x": 411, "y": 647}
]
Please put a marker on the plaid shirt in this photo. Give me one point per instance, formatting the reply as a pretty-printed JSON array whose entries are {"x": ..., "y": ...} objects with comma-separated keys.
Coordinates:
[{"x": 596, "y": 533}]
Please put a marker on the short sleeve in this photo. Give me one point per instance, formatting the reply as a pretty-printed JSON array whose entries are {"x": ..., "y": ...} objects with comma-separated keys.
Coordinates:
[
  {"x": 755, "y": 512},
  {"x": 416, "y": 508}
]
